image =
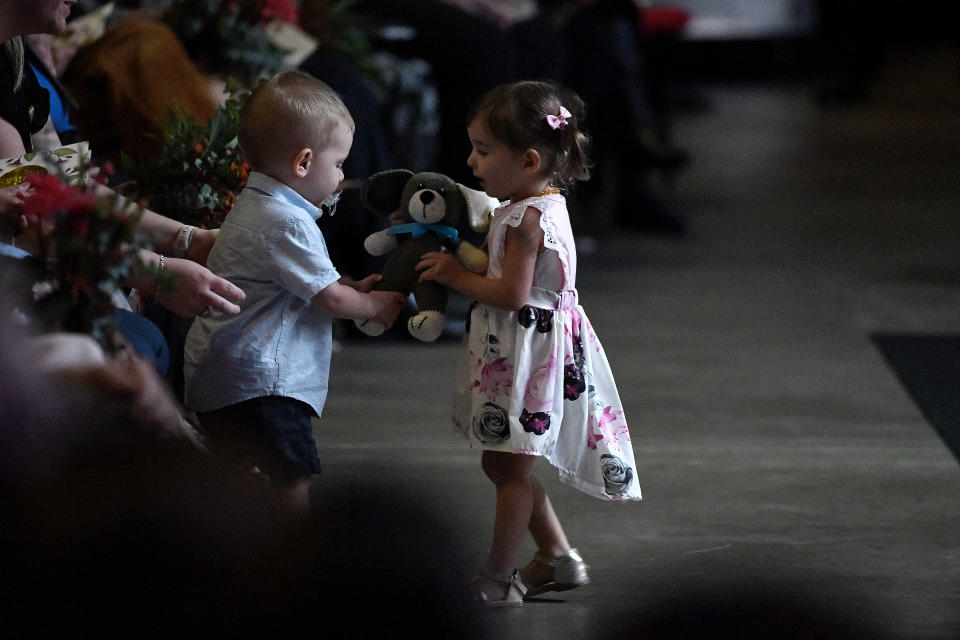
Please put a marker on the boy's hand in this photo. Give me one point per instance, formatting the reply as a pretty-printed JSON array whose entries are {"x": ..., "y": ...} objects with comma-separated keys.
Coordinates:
[
  {"x": 389, "y": 304},
  {"x": 367, "y": 284}
]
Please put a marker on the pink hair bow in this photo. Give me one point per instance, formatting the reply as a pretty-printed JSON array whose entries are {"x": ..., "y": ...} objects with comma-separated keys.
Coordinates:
[{"x": 559, "y": 121}]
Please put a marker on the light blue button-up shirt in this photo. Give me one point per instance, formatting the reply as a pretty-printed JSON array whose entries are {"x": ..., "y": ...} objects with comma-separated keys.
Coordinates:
[{"x": 279, "y": 344}]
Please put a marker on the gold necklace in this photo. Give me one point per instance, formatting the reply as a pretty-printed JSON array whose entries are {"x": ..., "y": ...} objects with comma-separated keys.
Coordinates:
[{"x": 546, "y": 192}]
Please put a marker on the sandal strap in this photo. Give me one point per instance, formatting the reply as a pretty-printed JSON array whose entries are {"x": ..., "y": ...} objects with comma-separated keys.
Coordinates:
[
  {"x": 552, "y": 562},
  {"x": 504, "y": 578}
]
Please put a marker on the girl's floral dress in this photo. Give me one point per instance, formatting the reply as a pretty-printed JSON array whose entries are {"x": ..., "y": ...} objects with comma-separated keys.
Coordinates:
[{"x": 536, "y": 381}]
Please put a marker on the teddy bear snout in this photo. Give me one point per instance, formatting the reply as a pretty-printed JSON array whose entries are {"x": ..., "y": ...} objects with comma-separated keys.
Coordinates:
[{"x": 427, "y": 206}]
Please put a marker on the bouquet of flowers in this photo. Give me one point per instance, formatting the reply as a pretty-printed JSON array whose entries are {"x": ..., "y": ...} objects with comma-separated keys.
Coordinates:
[
  {"x": 229, "y": 37},
  {"x": 88, "y": 247},
  {"x": 198, "y": 171}
]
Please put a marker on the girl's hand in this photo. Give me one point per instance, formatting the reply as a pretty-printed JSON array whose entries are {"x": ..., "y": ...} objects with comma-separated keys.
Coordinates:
[
  {"x": 439, "y": 267},
  {"x": 198, "y": 290}
]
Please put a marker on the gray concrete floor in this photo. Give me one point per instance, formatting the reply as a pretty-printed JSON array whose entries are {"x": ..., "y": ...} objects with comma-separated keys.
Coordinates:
[{"x": 777, "y": 452}]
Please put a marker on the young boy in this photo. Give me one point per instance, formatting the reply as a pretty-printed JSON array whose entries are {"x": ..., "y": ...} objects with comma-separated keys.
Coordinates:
[{"x": 256, "y": 379}]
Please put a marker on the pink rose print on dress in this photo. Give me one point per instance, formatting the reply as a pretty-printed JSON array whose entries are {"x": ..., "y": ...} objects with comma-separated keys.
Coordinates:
[
  {"x": 539, "y": 393},
  {"x": 572, "y": 327},
  {"x": 607, "y": 430},
  {"x": 538, "y": 398},
  {"x": 593, "y": 336},
  {"x": 494, "y": 379},
  {"x": 579, "y": 322}
]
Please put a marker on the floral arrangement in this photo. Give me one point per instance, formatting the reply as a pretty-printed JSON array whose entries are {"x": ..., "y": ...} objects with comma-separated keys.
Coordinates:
[
  {"x": 229, "y": 37},
  {"x": 88, "y": 247},
  {"x": 338, "y": 27},
  {"x": 199, "y": 169}
]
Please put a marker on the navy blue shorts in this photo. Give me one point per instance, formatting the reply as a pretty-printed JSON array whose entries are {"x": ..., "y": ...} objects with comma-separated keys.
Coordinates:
[{"x": 273, "y": 433}]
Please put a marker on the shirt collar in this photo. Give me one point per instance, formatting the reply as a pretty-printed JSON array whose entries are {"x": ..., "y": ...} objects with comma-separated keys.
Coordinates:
[
  {"x": 11, "y": 251},
  {"x": 276, "y": 189}
]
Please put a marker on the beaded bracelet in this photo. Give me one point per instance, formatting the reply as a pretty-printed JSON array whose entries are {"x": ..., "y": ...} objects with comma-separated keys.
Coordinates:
[
  {"x": 160, "y": 268},
  {"x": 182, "y": 243}
]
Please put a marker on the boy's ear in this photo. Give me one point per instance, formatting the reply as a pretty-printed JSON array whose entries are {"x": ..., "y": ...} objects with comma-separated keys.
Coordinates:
[
  {"x": 531, "y": 161},
  {"x": 301, "y": 162}
]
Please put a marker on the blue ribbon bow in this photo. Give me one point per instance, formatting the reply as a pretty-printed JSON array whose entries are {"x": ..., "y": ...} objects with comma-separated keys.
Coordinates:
[{"x": 417, "y": 229}]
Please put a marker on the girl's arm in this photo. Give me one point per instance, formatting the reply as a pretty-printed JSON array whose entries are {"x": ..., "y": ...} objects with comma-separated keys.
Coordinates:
[{"x": 512, "y": 290}]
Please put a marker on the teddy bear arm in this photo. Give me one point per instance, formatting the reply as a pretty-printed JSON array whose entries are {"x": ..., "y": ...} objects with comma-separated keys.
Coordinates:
[
  {"x": 472, "y": 258},
  {"x": 379, "y": 243}
]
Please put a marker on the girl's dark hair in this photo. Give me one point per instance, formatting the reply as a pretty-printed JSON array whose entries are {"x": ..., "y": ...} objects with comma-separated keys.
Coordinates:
[{"x": 517, "y": 113}]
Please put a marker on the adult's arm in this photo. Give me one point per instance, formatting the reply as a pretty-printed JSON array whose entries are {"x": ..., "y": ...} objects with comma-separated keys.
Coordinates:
[{"x": 198, "y": 288}]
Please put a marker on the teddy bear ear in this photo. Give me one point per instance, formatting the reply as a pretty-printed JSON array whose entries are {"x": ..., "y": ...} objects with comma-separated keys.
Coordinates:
[
  {"x": 480, "y": 207},
  {"x": 382, "y": 192}
]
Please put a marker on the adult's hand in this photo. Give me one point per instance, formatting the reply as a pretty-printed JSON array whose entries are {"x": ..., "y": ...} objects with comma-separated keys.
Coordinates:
[
  {"x": 198, "y": 290},
  {"x": 11, "y": 214}
]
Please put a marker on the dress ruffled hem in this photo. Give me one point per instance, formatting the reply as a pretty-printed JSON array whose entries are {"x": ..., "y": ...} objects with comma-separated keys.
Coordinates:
[{"x": 565, "y": 475}]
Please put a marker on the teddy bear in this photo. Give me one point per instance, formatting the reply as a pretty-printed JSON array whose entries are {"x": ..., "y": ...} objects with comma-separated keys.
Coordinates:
[{"x": 431, "y": 204}]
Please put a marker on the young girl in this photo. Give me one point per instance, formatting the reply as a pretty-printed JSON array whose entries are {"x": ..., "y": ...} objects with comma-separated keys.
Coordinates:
[{"x": 535, "y": 380}]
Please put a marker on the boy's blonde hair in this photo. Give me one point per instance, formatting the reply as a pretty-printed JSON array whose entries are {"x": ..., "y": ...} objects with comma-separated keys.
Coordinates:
[{"x": 286, "y": 113}]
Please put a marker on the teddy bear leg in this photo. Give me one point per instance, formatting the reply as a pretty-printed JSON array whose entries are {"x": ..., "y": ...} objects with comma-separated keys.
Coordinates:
[
  {"x": 370, "y": 327},
  {"x": 431, "y": 299},
  {"x": 426, "y": 326}
]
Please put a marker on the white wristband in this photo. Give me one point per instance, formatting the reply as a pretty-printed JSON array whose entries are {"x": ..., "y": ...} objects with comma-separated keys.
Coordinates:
[{"x": 182, "y": 243}]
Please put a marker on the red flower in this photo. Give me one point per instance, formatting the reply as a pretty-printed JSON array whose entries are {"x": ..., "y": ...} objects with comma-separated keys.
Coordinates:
[
  {"x": 49, "y": 194},
  {"x": 79, "y": 224},
  {"x": 281, "y": 9}
]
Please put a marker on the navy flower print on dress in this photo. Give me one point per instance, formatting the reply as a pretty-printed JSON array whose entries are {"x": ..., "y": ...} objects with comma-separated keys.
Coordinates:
[
  {"x": 543, "y": 318},
  {"x": 536, "y": 423},
  {"x": 573, "y": 382}
]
